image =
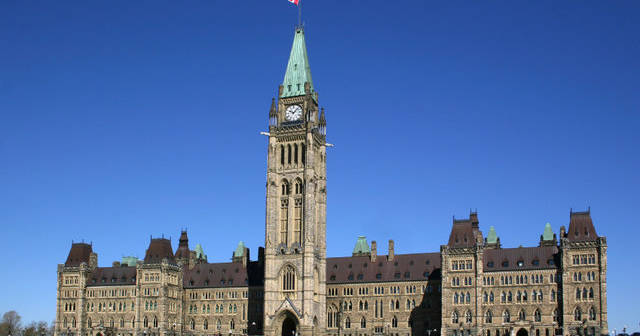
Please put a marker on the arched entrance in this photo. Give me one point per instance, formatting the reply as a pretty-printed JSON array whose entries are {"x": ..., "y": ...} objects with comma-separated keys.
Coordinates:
[
  {"x": 289, "y": 326},
  {"x": 522, "y": 332}
]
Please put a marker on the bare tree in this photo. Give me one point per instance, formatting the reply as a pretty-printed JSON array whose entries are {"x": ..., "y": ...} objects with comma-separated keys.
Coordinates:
[{"x": 10, "y": 324}]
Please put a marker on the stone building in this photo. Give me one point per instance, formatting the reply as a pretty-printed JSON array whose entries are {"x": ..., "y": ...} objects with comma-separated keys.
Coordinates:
[{"x": 472, "y": 286}]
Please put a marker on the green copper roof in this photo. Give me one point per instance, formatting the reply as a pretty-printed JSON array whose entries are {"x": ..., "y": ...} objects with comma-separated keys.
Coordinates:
[
  {"x": 492, "y": 237},
  {"x": 361, "y": 246},
  {"x": 548, "y": 233},
  {"x": 298, "y": 69},
  {"x": 129, "y": 261},
  {"x": 239, "y": 252},
  {"x": 200, "y": 252}
]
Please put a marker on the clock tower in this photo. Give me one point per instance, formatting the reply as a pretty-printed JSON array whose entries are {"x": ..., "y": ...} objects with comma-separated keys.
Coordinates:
[{"x": 295, "y": 225}]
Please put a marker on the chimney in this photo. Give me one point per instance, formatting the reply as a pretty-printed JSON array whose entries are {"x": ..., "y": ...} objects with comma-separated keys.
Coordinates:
[
  {"x": 192, "y": 259},
  {"x": 93, "y": 260},
  {"x": 374, "y": 251},
  {"x": 391, "y": 252}
]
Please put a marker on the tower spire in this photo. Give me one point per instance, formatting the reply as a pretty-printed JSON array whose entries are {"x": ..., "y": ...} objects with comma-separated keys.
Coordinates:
[{"x": 298, "y": 70}]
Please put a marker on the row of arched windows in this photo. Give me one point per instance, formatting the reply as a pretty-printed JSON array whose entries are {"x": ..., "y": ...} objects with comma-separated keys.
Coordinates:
[
  {"x": 292, "y": 154},
  {"x": 65, "y": 323},
  {"x": 205, "y": 324},
  {"x": 461, "y": 298},
  {"x": 584, "y": 294},
  {"x": 577, "y": 314}
]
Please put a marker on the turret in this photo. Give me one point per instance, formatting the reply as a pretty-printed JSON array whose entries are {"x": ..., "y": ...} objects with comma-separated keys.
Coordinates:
[
  {"x": 273, "y": 113},
  {"x": 182, "y": 253},
  {"x": 361, "y": 248},
  {"x": 241, "y": 254},
  {"x": 548, "y": 238},
  {"x": 492, "y": 240}
]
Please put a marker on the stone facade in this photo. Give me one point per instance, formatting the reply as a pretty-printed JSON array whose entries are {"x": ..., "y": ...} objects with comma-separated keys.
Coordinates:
[{"x": 472, "y": 286}]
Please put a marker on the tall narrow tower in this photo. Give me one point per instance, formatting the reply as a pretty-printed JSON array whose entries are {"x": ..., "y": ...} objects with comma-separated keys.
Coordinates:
[{"x": 295, "y": 239}]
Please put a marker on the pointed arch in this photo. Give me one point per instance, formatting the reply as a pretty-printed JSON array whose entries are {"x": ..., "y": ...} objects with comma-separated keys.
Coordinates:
[
  {"x": 577, "y": 314},
  {"x": 454, "y": 317},
  {"x": 468, "y": 317},
  {"x": 537, "y": 316},
  {"x": 488, "y": 316},
  {"x": 522, "y": 315},
  {"x": 506, "y": 316},
  {"x": 394, "y": 322}
]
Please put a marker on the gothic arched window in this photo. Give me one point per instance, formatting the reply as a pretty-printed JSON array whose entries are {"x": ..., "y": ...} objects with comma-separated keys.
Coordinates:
[
  {"x": 488, "y": 317},
  {"x": 522, "y": 315},
  {"x": 454, "y": 317},
  {"x": 363, "y": 323},
  {"x": 577, "y": 314},
  {"x": 537, "y": 316},
  {"x": 506, "y": 317},
  {"x": 289, "y": 279},
  {"x": 394, "y": 322},
  {"x": 468, "y": 317},
  {"x": 592, "y": 314}
]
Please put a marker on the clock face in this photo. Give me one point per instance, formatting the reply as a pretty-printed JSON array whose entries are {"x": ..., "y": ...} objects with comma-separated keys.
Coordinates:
[{"x": 293, "y": 112}]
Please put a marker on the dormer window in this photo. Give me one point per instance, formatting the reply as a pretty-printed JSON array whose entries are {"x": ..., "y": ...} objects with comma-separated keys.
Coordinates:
[
  {"x": 360, "y": 276},
  {"x": 289, "y": 88},
  {"x": 520, "y": 263},
  {"x": 505, "y": 264},
  {"x": 535, "y": 262},
  {"x": 490, "y": 264}
]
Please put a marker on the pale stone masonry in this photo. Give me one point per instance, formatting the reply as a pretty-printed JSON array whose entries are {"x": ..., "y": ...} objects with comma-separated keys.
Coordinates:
[{"x": 471, "y": 286}]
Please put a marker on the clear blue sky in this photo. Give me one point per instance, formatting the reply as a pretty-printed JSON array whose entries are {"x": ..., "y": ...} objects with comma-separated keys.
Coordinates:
[{"x": 125, "y": 119}]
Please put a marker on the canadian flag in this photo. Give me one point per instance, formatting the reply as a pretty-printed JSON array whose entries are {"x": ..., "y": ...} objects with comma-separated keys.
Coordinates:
[{"x": 295, "y": 2}]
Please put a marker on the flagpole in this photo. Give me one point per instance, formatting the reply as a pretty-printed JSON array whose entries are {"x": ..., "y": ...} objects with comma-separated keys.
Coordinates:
[{"x": 300, "y": 13}]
